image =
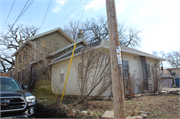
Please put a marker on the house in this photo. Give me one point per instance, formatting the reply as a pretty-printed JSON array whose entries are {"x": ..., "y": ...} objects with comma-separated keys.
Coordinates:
[
  {"x": 175, "y": 73},
  {"x": 47, "y": 56},
  {"x": 5, "y": 74},
  {"x": 30, "y": 60},
  {"x": 135, "y": 63}
]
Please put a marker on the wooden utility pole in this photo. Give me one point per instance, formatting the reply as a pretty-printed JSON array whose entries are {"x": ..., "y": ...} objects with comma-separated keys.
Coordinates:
[{"x": 116, "y": 62}]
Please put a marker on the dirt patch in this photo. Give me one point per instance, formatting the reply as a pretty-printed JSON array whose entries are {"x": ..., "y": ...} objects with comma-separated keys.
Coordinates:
[
  {"x": 51, "y": 111},
  {"x": 160, "y": 106}
]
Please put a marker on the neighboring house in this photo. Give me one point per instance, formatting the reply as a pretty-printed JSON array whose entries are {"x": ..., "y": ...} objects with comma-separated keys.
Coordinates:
[
  {"x": 134, "y": 62},
  {"x": 175, "y": 73},
  {"x": 30, "y": 56},
  {"x": 5, "y": 74}
]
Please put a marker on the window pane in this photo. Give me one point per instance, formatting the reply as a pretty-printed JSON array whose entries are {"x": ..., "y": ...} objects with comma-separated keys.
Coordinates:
[
  {"x": 125, "y": 69},
  {"x": 62, "y": 75},
  {"x": 80, "y": 71}
]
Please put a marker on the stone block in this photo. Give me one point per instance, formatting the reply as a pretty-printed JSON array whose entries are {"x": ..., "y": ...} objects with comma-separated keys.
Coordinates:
[{"x": 108, "y": 114}]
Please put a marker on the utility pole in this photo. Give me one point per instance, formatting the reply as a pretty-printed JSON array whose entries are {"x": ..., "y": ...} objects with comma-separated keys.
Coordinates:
[{"x": 116, "y": 62}]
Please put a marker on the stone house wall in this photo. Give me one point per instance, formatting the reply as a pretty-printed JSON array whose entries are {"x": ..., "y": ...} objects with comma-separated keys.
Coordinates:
[{"x": 43, "y": 46}]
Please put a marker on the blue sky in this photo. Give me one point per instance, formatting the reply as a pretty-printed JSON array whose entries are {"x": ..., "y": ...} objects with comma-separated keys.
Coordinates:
[{"x": 159, "y": 19}]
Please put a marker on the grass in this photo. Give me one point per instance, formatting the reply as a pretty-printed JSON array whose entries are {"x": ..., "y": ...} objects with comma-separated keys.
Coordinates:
[{"x": 44, "y": 94}]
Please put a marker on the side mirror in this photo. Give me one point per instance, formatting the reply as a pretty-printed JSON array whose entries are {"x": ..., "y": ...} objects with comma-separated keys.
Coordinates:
[{"x": 24, "y": 87}]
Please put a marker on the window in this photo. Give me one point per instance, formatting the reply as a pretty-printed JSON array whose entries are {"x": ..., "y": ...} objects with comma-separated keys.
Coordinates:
[
  {"x": 25, "y": 55},
  {"x": 19, "y": 76},
  {"x": 125, "y": 69},
  {"x": 44, "y": 71},
  {"x": 80, "y": 71},
  {"x": 29, "y": 70},
  {"x": 34, "y": 73},
  {"x": 19, "y": 58},
  {"x": 23, "y": 74},
  {"x": 62, "y": 75},
  {"x": 147, "y": 71}
]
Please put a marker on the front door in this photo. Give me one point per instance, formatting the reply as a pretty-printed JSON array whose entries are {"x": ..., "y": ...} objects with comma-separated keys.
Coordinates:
[{"x": 177, "y": 82}]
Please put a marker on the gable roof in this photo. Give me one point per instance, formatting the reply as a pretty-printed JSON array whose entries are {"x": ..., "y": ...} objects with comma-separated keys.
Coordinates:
[
  {"x": 43, "y": 34},
  {"x": 100, "y": 44},
  {"x": 27, "y": 41},
  {"x": 51, "y": 31},
  {"x": 138, "y": 52},
  {"x": 68, "y": 46}
]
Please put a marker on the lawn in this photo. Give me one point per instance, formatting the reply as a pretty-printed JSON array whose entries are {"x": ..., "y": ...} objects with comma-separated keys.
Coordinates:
[{"x": 158, "y": 106}]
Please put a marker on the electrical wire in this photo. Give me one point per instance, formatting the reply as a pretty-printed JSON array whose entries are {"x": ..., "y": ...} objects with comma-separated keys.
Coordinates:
[
  {"x": 8, "y": 15},
  {"x": 18, "y": 17},
  {"x": 46, "y": 13},
  {"x": 20, "y": 13},
  {"x": 27, "y": 8},
  {"x": 88, "y": 11},
  {"x": 70, "y": 13},
  {"x": 93, "y": 8},
  {"x": 83, "y": 11}
]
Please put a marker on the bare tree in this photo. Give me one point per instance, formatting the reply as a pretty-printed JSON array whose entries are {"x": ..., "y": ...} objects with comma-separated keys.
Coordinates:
[
  {"x": 72, "y": 29},
  {"x": 97, "y": 29},
  {"x": 173, "y": 58},
  {"x": 129, "y": 85},
  {"x": 159, "y": 54},
  {"x": 156, "y": 79},
  {"x": 9, "y": 42},
  {"x": 93, "y": 73}
]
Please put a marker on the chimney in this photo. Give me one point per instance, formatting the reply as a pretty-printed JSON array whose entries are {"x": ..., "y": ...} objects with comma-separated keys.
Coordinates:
[
  {"x": 80, "y": 35},
  {"x": 20, "y": 43}
]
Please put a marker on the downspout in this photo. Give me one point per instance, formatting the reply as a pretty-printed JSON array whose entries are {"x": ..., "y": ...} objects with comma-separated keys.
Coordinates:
[
  {"x": 34, "y": 50},
  {"x": 32, "y": 69}
]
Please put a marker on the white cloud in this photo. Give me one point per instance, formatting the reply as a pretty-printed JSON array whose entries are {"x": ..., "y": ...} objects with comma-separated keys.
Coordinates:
[
  {"x": 72, "y": 15},
  {"x": 94, "y": 4},
  {"x": 162, "y": 36},
  {"x": 158, "y": 7},
  {"x": 121, "y": 5},
  {"x": 60, "y": 3}
]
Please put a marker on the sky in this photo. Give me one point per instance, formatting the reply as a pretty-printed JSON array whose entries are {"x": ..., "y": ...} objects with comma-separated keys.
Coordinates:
[{"x": 158, "y": 19}]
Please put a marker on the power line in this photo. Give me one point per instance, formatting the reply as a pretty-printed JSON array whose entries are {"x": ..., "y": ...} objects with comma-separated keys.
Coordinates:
[
  {"x": 83, "y": 11},
  {"x": 70, "y": 13},
  {"x": 46, "y": 13},
  {"x": 27, "y": 8},
  {"x": 88, "y": 11},
  {"x": 8, "y": 15},
  {"x": 93, "y": 9},
  {"x": 20, "y": 13},
  {"x": 18, "y": 17}
]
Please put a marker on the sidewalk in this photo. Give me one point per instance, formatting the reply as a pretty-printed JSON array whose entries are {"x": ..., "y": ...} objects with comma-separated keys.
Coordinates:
[{"x": 171, "y": 89}]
